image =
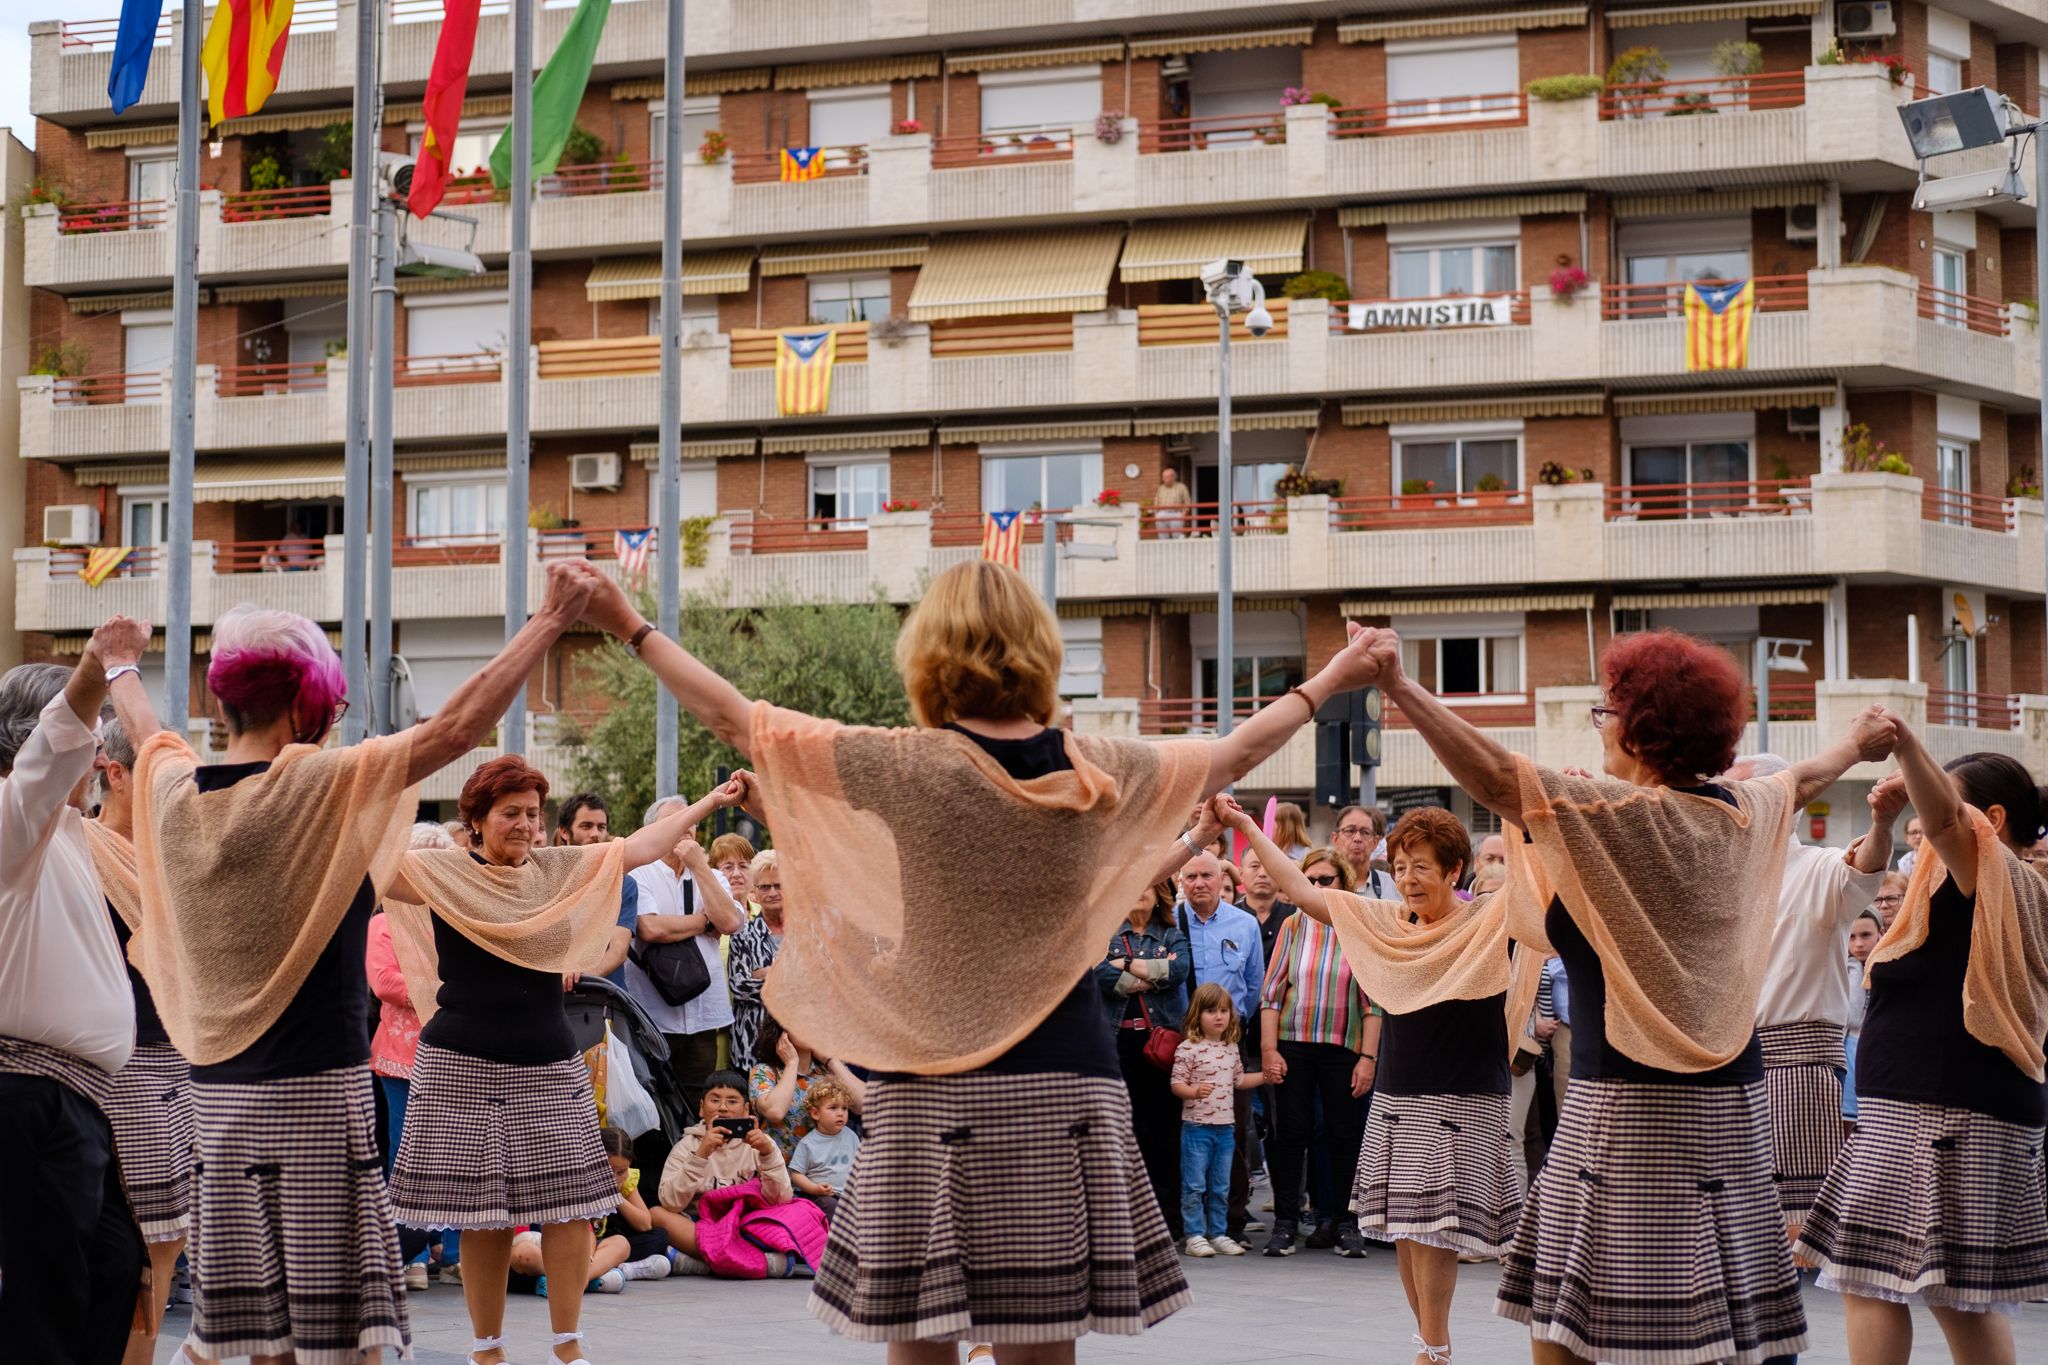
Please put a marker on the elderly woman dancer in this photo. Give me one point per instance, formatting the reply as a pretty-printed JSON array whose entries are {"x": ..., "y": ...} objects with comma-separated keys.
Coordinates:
[
  {"x": 501, "y": 1127},
  {"x": 1938, "y": 1196},
  {"x": 1653, "y": 1236},
  {"x": 1436, "y": 1174},
  {"x": 259, "y": 876},
  {"x": 999, "y": 1196}
]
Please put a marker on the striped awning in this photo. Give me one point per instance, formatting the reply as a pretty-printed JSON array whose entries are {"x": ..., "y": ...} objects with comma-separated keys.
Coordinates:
[
  {"x": 133, "y": 135},
  {"x": 461, "y": 284},
  {"x": 1054, "y": 429},
  {"x": 1714, "y": 201},
  {"x": 1451, "y": 606},
  {"x": 1295, "y": 35},
  {"x": 1021, "y": 59},
  {"x": 1184, "y": 606},
  {"x": 1178, "y": 248},
  {"x": 1706, "y": 14},
  {"x": 1459, "y": 210},
  {"x": 1003, "y": 274},
  {"x": 476, "y": 106},
  {"x": 482, "y": 457},
  {"x": 262, "y": 480},
  {"x": 202, "y": 642},
  {"x": 107, "y": 475},
  {"x": 812, "y": 258},
  {"x": 844, "y": 438},
  {"x": 296, "y": 120},
  {"x": 337, "y": 289},
  {"x": 85, "y": 305},
  {"x": 639, "y": 277},
  {"x": 1722, "y": 597},
  {"x": 732, "y": 82},
  {"x": 869, "y": 71},
  {"x": 1197, "y": 423},
  {"x": 1363, "y": 414},
  {"x": 700, "y": 448},
  {"x": 1454, "y": 25},
  {"x": 1722, "y": 400}
]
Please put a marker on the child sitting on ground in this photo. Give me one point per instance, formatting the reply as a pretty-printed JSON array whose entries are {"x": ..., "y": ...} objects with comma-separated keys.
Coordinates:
[
  {"x": 629, "y": 1245},
  {"x": 824, "y": 1157},
  {"x": 728, "y": 1147}
]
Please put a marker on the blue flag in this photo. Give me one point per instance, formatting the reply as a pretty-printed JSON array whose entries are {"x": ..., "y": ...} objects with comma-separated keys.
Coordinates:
[{"x": 132, "y": 48}]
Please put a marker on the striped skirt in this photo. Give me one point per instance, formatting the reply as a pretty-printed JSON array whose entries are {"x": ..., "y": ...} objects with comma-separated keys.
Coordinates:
[
  {"x": 154, "y": 1134},
  {"x": 1439, "y": 1170},
  {"x": 293, "y": 1246},
  {"x": 494, "y": 1145},
  {"x": 1803, "y": 1068},
  {"x": 1933, "y": 1203},
  {"x": 1000, "y": 1208},
  {"x": 1653, "y": 1235}
]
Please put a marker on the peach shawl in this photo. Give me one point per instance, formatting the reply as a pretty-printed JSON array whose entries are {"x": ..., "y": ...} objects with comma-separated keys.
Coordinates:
[
  {"x": 2005, "y": 985},
  {"x": 114, "y": 858},
  {"x": 1677, "y": 893},
  {"x": 552, "y": 913},
  {"x": 938, "y": 909},
  {"x": 243, "y": 887}
]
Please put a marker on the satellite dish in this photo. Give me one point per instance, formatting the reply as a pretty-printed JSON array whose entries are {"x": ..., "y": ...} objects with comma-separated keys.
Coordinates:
[
  {"x": 401, "y": 706},
  {"x": 1966, "y": 619}
]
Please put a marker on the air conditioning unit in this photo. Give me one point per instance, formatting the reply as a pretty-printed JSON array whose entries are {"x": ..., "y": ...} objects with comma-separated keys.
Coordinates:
[
  {"x": 1857, "y": 20},
  {"x": 71, "y": 523},
  {"x": 594, "y": 473},
  {"x": 1802, "y": 421},
  {"x": 1802, "y": 223}
]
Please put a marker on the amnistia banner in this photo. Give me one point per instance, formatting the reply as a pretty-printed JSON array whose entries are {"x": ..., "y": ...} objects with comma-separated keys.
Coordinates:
[{"x": 1479, "y": 310}]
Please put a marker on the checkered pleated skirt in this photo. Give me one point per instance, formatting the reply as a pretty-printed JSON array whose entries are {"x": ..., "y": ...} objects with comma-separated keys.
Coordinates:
[
  {"x": 1439, "y": 1169},
  {"x": 1653, "y": 1235},
  {"x": 293, "y": 1246},
  {"x": 154, "y": 1137},
  {"x": 1803, "y": 1068},
  {"x": 1001, "y": 1208},
  {"x": 1933, "y": 1203},
  {"x": 493, "y": 1145}
]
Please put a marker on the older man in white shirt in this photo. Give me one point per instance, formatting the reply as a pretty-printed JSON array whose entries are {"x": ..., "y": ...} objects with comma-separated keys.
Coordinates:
[
  {"x": 71, "y": 1256},
  {"x": 1802, "y": 1015}
]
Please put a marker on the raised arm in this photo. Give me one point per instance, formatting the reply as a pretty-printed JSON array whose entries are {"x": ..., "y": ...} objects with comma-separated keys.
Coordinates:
[
  {"x": 1873, "y": 852},
  {"x": 1475, "y": 761},
  {"x": 1939, "y": 807},
  {"x": 1288, "y": 879},
  {"x": 705, "y": 695},
  {"x": 1233, "y": 755},
  {"x": 1869, "y": 740},
  {"x": 1197, "y": 837},
  {"x": 120, "y": 641},
  {"x": 476, "y": 706},
  {"x": 651, "y": 842}
]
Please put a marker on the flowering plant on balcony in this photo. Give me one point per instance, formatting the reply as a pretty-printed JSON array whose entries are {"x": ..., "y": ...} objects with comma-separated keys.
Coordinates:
[
  {"x": 2024, "y": 484},
  {"x": 1109, "y": 127},
  {"x": 1894, "y": 67},
  {"x": 905, "y": 127},
  {"x": 1413, "y": 486},
  {"x": 900, "y": 505},
  {"x": 46, "y": 189},
  {"x": 714, "y": 147},
  {"x": 1566, "y": 281},
  {"x": 1301, "y": 94},
  {"x": 1554, "y": 474},
  {"x": 1110, "y": 497}
]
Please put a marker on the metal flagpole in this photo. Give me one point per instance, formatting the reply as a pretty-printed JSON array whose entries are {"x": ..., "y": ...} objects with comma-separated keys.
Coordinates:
[
  {"x": 356, "y": 462},
  {"x": 184, "y": 376},
  {"x": 669, "y": 495},
  {"x": 382, "y": 307},
  {"x": 1049, "y": 572},
  {"x": 519, "y": 356},
  {"x": 1226, "y": 624},
  {"x": 2040, "y": 265}
]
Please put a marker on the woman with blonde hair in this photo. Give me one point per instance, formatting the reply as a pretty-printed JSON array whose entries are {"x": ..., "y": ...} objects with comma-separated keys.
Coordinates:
[
  {"x": 1290, "y": 830},
  {"x": 998, "y": 854},
  {"x": 752, "y": 953}
]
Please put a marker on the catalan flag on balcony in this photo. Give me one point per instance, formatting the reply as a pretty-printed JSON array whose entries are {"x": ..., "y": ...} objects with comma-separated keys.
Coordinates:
[
  {"x": 1002, "y": 538},
  {"x": 633, "y": 549},
  {"x": 447, "y": 83},
  {"x": 133, "y": 43},
  {"x": 101, "y": 563},
  {"x": 1717, "y": 325},
  {"x": 803, "y": 372},
  {"x": 243, "y": 54},
  {"x": 803, "y": 163}
]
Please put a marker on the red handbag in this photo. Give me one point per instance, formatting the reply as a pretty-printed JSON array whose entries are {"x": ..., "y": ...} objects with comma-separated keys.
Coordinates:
[{"x": 1160, "y": 1043}]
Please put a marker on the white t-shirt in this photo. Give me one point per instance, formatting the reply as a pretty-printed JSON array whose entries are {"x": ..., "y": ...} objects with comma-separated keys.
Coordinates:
[
  {"x": 1818, "y": 901},
  {"x": 661, "y": 893}
]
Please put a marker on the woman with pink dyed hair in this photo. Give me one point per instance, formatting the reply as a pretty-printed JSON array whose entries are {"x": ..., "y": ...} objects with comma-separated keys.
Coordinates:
[{"x": 254, "y": 947}]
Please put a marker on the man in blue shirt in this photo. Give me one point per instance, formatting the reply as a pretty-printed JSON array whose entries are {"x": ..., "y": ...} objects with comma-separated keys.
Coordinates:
[
  {"x": 1227, "y": 949},
  {"x": 585, "y": 819}
]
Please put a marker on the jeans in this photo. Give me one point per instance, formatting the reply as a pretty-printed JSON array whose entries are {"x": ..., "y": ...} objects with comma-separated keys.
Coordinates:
[{"x": 1205, "y": 1150}]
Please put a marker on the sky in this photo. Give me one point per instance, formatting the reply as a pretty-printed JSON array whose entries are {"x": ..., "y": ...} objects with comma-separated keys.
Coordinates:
[{"x": 15, "y": 17}]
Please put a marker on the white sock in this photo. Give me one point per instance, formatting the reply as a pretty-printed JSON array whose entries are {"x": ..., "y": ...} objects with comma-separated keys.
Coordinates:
[
  {"x": 653, "y": 1267},
  {"x": 778, "y": 1265}
]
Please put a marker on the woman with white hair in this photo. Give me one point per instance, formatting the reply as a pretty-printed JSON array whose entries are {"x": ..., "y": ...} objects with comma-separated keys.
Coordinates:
[
  {"x": 753, "y": 951},
  {"x": 254, "y": 948}
]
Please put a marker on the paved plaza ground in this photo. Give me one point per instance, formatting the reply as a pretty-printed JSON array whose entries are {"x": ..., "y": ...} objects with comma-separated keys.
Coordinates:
[{"x": 1310, "y": 1307}]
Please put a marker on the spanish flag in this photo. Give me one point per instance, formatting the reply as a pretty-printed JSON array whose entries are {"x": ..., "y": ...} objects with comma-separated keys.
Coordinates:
[
  {"x": 447, "y": 82},
  {"x": 803, "y": 372},
  {"x": 803, "y": 163},
  {"x": 244, "y": 52},
  {"x": 1717, "y": 325}
]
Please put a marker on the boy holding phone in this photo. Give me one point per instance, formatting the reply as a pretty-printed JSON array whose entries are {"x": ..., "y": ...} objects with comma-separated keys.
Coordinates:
[{"x": 728, "y": 1147}]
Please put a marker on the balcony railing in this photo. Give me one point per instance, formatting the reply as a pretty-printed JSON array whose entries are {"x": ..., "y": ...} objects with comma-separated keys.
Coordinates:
[
  {"x": 1223, "y": 130},
  {"x": 604, "y": 177},
  {"x": 1009, "y": 336},
  {"x": 1977, "y": 710},
  {"x": 1174, "y": 715},
  {"x": 119, "y": 215},
  {"x": 953, "y": 529},
  {"x": 472, "y": 187},
  {"x": 1685, "y": 501},
  {"x": 1445, "y": 114},
  {"x": 294, "y": 554},
  {"x": 1194, "y": 324},
  {"x": 260, "y": 381},
  {"x": 98, "y": 35},
  {"x": 250, "y": 206},
  {"x": 144, "y": 561},
  {"x": 1666, "y": 298},
  {"x": 480, "y": 367},
  {"x": 94, "y": 390},
  {"x": 1003, "y": 148},
  {"x": 1973, "y": 311},
  {"x": 1955, "y": 507},
  {"x": 1263, "y": 517},
  {"x": 1430, "y": 511},
  {"x": 753, "y": 348},
  {"x": 1476, "y": 708},
  {"x": 581, "y": 542},
  {"x": 608, "y": 356},
  {"x": 1789, "y": 700},
  {"x": 415, "y": 552},
  {"x": 430, "y": 11},
  {"x": 755, "y": 168},
  {"x": 1714, "y": 95},
  {"x": 785, "y": 535},
  {"x": 1438, "y": 318}
]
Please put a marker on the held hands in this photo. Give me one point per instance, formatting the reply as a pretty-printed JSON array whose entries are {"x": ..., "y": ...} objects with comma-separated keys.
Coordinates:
[
  {"x": 1373, "y": 655},
  {"x": 119, "y": 640},
  {"x": 735, "y": 790},
  {"x": 1273, "y": 1067},
  {"x": 1229, "y": 814},
  {"x": 611, "y": 611},
  {"x": 571, "y": 582},
  {"x": 1207, "y": 824},
  {"x": 1875, "y": 732},
  {"x": 1887, "y": 799}
]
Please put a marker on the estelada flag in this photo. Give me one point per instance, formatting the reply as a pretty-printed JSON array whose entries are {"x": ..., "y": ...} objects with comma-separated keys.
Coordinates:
[
  {"x": 1717, "y": 325},
  {"x": 447, "y": 83},
  {"x": 1002, "y": 538},
  {"x": 803, "y": 163},
  {"x": 803, "y": 372},
  {"x": 244, "y": 52}
]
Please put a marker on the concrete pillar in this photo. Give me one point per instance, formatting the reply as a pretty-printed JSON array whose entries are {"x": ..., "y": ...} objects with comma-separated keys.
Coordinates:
[
  {"x": 1308, "y": 344},
  {"x": 1308, "y": 542},
  {"x": 1105, "y": 173},
  {"x": 1106, "y": 356},
  {"x": 1308, "y": 148},
  {"x": 900, "y": 179},
  {"x": 900, "y": 552},
  {"x": 1570, "y": 532},
  {"x": 1116, "y": 717}
]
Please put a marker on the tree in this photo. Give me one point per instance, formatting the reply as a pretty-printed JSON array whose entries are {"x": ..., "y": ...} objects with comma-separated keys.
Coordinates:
[{"x": 834, "y": 661}]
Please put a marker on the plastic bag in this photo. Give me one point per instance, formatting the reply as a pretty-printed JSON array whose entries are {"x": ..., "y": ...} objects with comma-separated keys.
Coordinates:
[{"x": 627, "y": 1103}]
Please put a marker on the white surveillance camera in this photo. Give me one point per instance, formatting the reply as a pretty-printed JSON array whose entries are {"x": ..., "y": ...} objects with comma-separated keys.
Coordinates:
[
  {"x": 1220, "y": 272},
  {"x": 1258, "y": 322}
]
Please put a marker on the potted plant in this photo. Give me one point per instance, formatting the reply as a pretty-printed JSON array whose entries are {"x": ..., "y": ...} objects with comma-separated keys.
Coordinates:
[
  {"x": 1641, "y": 70},
  {"x": 333, "y": 157},
  {"x": 713, "y": 148},
  {"x": 1110, "y": 497},
  {"x": 1109, "y": 127},
  {"x": 1316, "y": 284},
  {"x": 1736, "y": 59},
  {"x": 2025, "y": 484},
  {"x": 1567, "y": 280},
  {"x": 64, "y": 362},
  {"x": 1558, "y": 89},
  {"x": 907, "y": 127},
  {"x": 899, "y": 505},
  {"x": 1555, "y": 475},
  {"x": 1692, "y": 102},
  {"x": 558, "y": 538}
]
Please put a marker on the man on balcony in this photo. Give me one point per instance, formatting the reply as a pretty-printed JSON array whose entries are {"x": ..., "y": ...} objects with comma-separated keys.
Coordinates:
[{"x": 1170, "y": 504}]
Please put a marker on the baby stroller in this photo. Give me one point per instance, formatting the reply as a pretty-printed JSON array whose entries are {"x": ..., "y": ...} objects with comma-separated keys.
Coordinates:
[{"x": 595, "y": 1003}]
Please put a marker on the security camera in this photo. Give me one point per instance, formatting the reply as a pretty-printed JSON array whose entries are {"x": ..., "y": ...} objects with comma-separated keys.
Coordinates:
[
  {"x": 1216, "y": 274},
  {"x": 1258, "y": 322}
]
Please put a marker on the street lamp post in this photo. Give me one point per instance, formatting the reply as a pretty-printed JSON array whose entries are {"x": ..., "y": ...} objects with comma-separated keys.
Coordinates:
[
  {"x": 1230, "y": 288},
  {"x": 1769, "y": 661}
]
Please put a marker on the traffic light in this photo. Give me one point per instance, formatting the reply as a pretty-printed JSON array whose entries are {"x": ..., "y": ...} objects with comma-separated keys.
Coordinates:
[{"x": 1347, "y": 737}]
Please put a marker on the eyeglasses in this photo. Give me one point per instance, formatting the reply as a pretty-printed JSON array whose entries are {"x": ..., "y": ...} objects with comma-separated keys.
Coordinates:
[
  {"x": 340, "y": 710},
  {"x": 1355, "y": 831},
  {"x": 1887, "y": 900},
  {"x": 1326, "y": 879},
  {"x": 1600, "y": 715}
]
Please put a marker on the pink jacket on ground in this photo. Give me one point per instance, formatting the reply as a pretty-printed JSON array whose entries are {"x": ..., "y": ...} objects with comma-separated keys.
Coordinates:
[
  {"x": 737, "y": 1227},
  {"x": 398, "y": 1028}
]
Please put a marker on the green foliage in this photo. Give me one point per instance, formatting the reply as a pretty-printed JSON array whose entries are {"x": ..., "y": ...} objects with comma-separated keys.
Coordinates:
[
  {"x": 1736, "y": 58},
  {"x": 836, "y": 661},
  {"x": 64, "y": 359},
  {"x": 1693, "y": 102},
  {"x": 1574, "y": 87},
  {"x": 1317, "y": 284},
  {"x": 1638, "y": 66},
  {"x": 1834, "y": 56},
  {"x": 44, "y": 188},
  {"x": 582, "y": 147},
  {"x": 269, "y": 170},
  {"x": 624, "y": 176},
  {"x": 696, "y": 533},
  {"x": 333, "y": 157}
]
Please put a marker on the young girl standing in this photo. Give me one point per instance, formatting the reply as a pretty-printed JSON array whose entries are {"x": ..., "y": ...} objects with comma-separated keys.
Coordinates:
[{"x": 1207, "y": 1071}]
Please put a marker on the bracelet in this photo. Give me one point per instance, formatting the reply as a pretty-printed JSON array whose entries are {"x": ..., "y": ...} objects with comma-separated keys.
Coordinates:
[
  {"x": 118, "y": 670},
  {"x": 1296, "y": 691},
  {"x": 633, "y": 645},
  {"x": 1187, "y": 836}
]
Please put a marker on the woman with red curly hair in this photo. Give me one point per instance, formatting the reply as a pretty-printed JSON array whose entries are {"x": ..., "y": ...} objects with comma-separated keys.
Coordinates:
[
  {"x": 485, "y": 935},
  {"x": 1653, "y": 1235}
]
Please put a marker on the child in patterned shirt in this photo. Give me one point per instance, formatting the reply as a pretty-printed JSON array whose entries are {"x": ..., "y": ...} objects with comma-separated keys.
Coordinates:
[{"x": 1207, "y": 1071}]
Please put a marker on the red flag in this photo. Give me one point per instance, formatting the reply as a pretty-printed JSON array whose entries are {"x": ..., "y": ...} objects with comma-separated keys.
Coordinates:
[{"x": 447, "y": 83}]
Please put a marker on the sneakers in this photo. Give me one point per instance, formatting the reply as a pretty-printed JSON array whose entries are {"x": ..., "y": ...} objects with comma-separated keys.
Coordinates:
[
  {"x": 415, "y": 1278},
  {"x": 655, "y": 1267},
  {"x": 1350, "y": 1242},
  {"x": 1323, "y": 1238},
  {"x": 613, "y": 1281},
  {"x": 1281, "y": 1243},
  {"x": 1198, "y": 1246},
  {"x": 1227, "y": 1246},
  {"x": 682, "y": 1263},
  {"x": 452, "y": 1274}
]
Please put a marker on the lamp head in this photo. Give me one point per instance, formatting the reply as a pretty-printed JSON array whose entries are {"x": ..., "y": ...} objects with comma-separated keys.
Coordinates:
[{"x": 1941, "y": 124}]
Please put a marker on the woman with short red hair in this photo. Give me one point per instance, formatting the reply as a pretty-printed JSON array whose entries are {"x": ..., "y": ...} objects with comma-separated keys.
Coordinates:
[
  {"x": 500, "y": 1127},
  {"x": 1654, "y": 1235}
]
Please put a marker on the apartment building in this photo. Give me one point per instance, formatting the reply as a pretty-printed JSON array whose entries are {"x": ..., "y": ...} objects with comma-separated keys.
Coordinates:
[{"x": 1473, "y": 419}]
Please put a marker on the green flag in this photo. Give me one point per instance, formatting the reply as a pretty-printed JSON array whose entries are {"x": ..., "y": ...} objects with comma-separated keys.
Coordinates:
[{"x": 557, "y": 92}]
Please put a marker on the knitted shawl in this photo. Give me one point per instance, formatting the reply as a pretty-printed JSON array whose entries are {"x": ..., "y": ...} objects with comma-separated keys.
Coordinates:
[
  {"x": 1677, "y": 893},
  {"x": 552, "y": 913},
  {"x": 939, "y": 909},
  {"x": 2005, "y": 985},
  {"x": 243, "y": 887},
  {"x": 114, "y": 859}
]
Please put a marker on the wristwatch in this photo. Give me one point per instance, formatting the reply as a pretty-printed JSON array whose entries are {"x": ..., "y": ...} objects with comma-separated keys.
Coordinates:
[
  {"x": 118, "y": 669},
  {"x": 633, "y": 645}
]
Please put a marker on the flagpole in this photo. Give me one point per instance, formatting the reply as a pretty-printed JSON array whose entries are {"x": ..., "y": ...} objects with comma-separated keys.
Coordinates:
[
  {"x": 383, "y": 304},
  {"x": 669, "y": 499},
  {"x": 519, "y": 357},
  {"x": 363, "y": 179},
  {"x": 184, "y": 377}
]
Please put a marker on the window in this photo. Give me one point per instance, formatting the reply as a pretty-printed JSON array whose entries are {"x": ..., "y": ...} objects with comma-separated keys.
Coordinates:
[
  {"x": 1949, "y": 280},
  {"x": 1948, "y": 47},
  {"x": 1051, "y": 99},
  {"x": 1059, "y": 478},
  {"x": 440, "y": 328},
  {"x": 848, "y": 488},
  {"x": 1081, "y": 672},
  {"x": 1688, "y": 48},
  {"x": 849, "y": 117},
  {"x": 1259, "y": 459},
  {"x": 1479, "y": 460},
  {"x": 1243, "y": 86},
  {"x": 1952, "y": 474},
  {"x": 146, "y": 350},
  {"x": 1674, "y": 253},
  {"x": 466, "y": 505},
  {"x": 471, "y": 154},
  {"x": 849, "y": 298},
  {"x": 698, "y": 483},
  {"x": 145, "y": 516},
  {"x": 700, "y": 116},
  {"x": 1270, "y": 658},
  {"x": 153, "y": 178},
  {"x": 314, "y": 329},
  {"x": 1465, "y": 665},
  {"x": 700, "y": 316},
  {"x": 1690, "y": 450},
  {"x": 1463, "y": 78},
  {"x": 1433, "y": 271}
]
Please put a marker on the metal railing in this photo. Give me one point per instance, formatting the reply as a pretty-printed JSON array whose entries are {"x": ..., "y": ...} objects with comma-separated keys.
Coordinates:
[
  {"x": 753, "y": 348},
  {"x": 1518, "y": 311},
  {"x": 1955, "y": 507},
  {"x": 116, "y": 215},
  {"x": 1712, "y": 95},
  {"x": 1666, "y": 298},
  {"x": 1002, "y": 148},
  {"x": 257, "y": 381},
  {"x": 1788, "y": 701},
  {"x": 93, "y": 390},
  {"x": 1263, "y": 517},
  {"x": 480, "y": 367},
  {"x": 1476, "y": 708},
  {"x": 1506, "y": 109},
  {"x": 965, "y": 528},
  {"x": 1691, "y": 501},
  {"x": 1193, "y": 324},
  {"x": 98, "y": 35},
  {"x": 414, "y": 552},
  {"x": 755, "y": 168},
  {"x": 1223, "y": 130},
  {"x": 581, "y": 542},
  {"x": 1007, "y": 336},
  {"x": 605, "y": 356},
  {"x": 783, "y": 535},
  {"x": 1429, "y": 511},
  {"x": 1973, "y": 311},
  {"x": 1977, "y": 710},
  {"x": 601, "y": 177},
  {"x": 144, "y": 561},
  {"x": 303, "y": 201},
  {"x": 293, "y": 554},
  {"x": 472, "y": 187}
]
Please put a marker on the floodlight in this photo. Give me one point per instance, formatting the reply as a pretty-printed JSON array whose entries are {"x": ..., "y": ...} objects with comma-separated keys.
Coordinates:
[
  {"x": 1976, "y": 190},
  {"x": 1955, "y": 123}
]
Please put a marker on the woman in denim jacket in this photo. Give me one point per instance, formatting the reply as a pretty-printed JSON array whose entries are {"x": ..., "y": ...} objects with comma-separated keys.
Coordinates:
[{"x": 1144, "y": 978}]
